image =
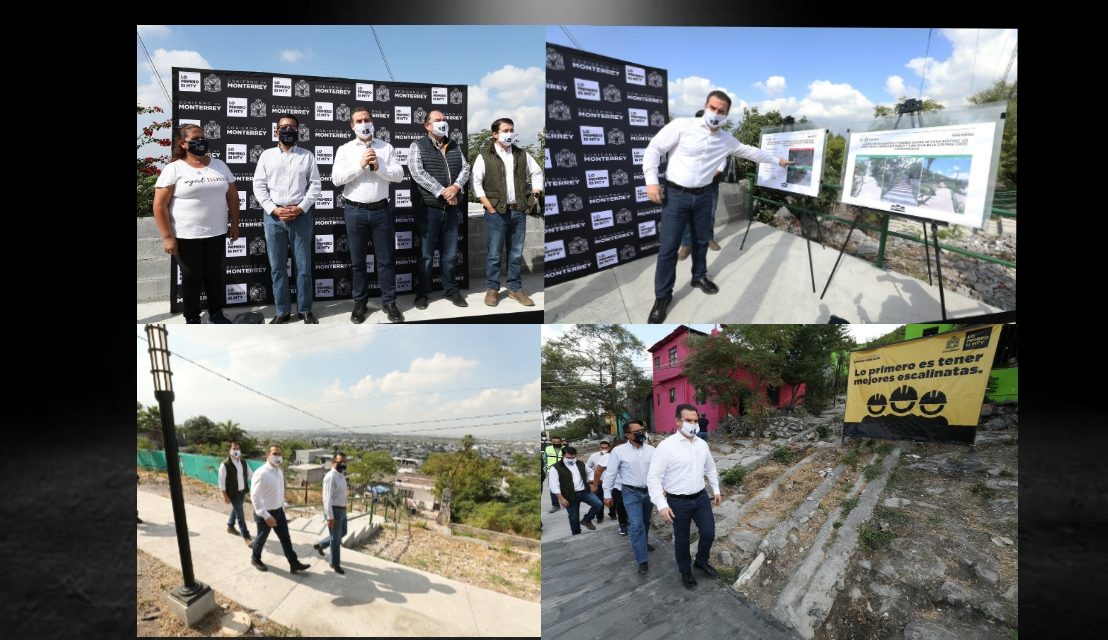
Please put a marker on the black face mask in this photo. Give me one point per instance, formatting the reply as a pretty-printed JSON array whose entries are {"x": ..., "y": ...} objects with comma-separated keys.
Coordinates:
[
  {"x": 198, "y": 147},
  {"x": 341, "y": 468},
  {"x": 288, "y": 135},
  {"x": 639, "y": 436}
]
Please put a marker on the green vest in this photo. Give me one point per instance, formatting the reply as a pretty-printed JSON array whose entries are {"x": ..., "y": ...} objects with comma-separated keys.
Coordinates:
[
  {"x": 551, "y": 456},
  {"x": 495, "y": 183}
]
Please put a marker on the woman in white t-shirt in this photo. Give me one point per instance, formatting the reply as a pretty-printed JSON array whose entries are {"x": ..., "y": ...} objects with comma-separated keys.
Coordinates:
[{"x": 194, "y": 195}]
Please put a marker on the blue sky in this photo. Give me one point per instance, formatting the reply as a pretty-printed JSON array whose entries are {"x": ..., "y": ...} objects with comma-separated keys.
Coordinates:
[
  {"x": 372, "y": 379},
  {"x": 505, "y": 79},
  {"x": 835, "y": 76}
]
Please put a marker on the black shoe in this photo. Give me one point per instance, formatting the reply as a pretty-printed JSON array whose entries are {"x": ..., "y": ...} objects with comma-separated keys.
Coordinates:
[
  {"x": 299, "y": 566},
  {"x": 283, "y": 319},
  {"x": 421, "y": 301},
  {"x": 338, "y": 569},
  {"x": 644, "y": 567},
  {"x": 195, "y": 320},
  {"x": 599, "y": 519},
  {"x": 360, "y": 312},
  {"x": 318, "y": 549},
  {"x": 218, "y": 318},
  {"x": 139, "y": 519},
  {"x": 688, "y": 580},
  {"x": 394, "y": 314},
  {"x": 233, "y": 531},
  {"x": 658, "y": 313},
  {"x": 611, "y": 516},
  {"x": 588, "y": 525},
  {"x": 706, "y": 285},
  {"x": 707, "y": 569},
  {"x": 458, "y": 299},
  {"x": 258, "y": 565},
  {"x": 649, "y": 547},
  {"x": 308, "y": 318}
]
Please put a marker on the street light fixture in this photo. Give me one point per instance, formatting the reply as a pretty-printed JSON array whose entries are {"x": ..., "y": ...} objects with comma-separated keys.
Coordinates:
[{"x": 192, "y": 601}]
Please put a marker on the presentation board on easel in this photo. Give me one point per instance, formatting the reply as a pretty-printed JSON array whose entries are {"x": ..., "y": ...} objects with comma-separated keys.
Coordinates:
[
  {"x": 805, "y": 149},
  {"x": 943, "y": 173}
]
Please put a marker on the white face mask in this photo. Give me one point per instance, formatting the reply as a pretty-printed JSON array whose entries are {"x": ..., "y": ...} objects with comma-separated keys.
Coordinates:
[
  {"x": 364, "y": 129},
  {"x": 275, "y": 460},
  {"x": 713, "y": 119},
  {"x": 507, "y": 138},
  {"x": 690, "y": 428},
  {"x": 570, "y": 460},
  {"x": 440, "y": 128},
  {"x": 235, "y": 453}
]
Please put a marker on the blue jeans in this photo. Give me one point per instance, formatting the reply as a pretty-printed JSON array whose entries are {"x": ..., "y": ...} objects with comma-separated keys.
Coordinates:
[
  {"x": 282, "y": 530},
  {"x": 498, "y": 227},
  {"x": 686, "y": 240},
  {"x": 334, "y": 540},
  {"x": 363, "y": 226},
  {"x": 680, "y": 209},
  {"x": 236, "y": 512},
  {"x": 278, "y": 234},
  {"x": 438, "y": 229},
  {"x": 638, "y": 506},
  {"x": 574, "y": 509},
  {"x": 698, "y": 510}
]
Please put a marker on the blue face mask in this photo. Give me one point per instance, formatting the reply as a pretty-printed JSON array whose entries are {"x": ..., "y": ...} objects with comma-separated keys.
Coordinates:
[
  {"x": 198, "y": 147},
  {"x": 288, "y": 135}
]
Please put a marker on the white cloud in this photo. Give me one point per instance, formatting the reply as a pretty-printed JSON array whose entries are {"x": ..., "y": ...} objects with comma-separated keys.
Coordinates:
[
  {"x": 773, "y": 86},
  {"x": 894, "y": 86},
  {"x": 150, "y": 93},
  {"x": 687, "y": 96},
  {"x": 978, "y": 59},
  {"x": 835, "y": 105},
  {"x": 153, "y": 30},
  {"x": 497, "y": 401},
  {"x": 422, "y": 373},
  {"x": 550, "y": 331},
  {"x": 509, "y": 92},
  {"x": 292, "y": 55}
]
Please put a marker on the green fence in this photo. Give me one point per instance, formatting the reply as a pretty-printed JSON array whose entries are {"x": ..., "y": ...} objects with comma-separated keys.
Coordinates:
[
  {"x": 1005, "y": 198},
  {"x": 203, "y": 468}
]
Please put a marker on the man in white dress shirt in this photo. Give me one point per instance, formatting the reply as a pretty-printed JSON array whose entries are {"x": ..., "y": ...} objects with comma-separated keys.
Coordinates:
[
  {"x": 676, "y": 484},
  {"x": 233, "y": 475},
  {"x": 595, "y": 466},
  {"x": 364, "y": 167},
  {"x": 696, "y": 148},
  {"x": 267, "y": 492},
  {"x": 334, "y": 509},
  {"x": 568, "y": 483},
  {"x": 628, "y": 467}
]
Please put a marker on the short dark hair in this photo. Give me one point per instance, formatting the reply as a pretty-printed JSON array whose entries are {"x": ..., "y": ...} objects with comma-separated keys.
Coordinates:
[
  {"x": 233, "y": 443},
  {"x": 685, "y": 407},
  {"x": 335, "y": 457},
  {"x": 274, "y": 444},
  {"x": 290, "y": 117},
  {"x": 358, "y": 109},
  {"x": 570, "y": 450},
  {"x": 558, "y": 437},
  {"x": 722, "y": 96},
  {"x": 427, "y": 118},
  {"x": 605, "y": 442},
  {"x": 700, "y": 113},
  {"x": 631, "y": 422},
  {"x": 495, "y": 127}
]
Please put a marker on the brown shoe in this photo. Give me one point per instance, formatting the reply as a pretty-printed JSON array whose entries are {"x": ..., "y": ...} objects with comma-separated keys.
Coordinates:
[
  {"x": 713, "y": 245},
  {"x": 491, "y": 297},
  {"x": 521, "y": 297},
  {"x": 683, "y": 252}
]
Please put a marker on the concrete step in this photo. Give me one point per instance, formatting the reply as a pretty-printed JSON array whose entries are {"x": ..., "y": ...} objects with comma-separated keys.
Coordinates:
[
  {"x": 153, "y": 268},
  {"x": 154, "y": 289},
  {"x": 147, "y": 228}
]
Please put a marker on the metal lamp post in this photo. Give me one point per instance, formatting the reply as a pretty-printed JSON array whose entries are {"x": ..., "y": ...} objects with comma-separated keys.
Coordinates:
[{"x": 194, "y": 599}]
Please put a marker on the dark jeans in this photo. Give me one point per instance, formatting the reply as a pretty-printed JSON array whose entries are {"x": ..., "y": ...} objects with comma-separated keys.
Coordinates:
[
  {"x": 438, "y": 229},
  {"x": 611, "y": 510},
  {"x": 201, "y": 261},
  {"x": 282, "y": 530},
  {"x": 362, "y": 226},
  {"x": 574, "y": 509},
  {"x": 617, "y": 501},
  {"x": 680, "y": 209},
  {"x": 236, "y": 512},
  {"x": 638, "y": 512},
  {"x": 499, "y": 227},
  {"x": 686, "y": 240},
  {"x": 686, "y": 511},
  {"x": 300, "y": 233},
  {"x": 334, "y": 540}
]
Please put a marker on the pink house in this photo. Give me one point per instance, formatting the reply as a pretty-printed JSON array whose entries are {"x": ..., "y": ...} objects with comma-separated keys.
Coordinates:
[{"x": 671, "y": 387}]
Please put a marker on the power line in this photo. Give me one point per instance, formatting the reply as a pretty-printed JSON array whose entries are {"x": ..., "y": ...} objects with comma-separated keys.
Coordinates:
[
  {"x": 923, "y": 76},
  {"x": 973, "y": 71},
  {"x": 571, "y": 38},
  {"x": 157, "y": 75},
  {"x": 382, "y": 50}
]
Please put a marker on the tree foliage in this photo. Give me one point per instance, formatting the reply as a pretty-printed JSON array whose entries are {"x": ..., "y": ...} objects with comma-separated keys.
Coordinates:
[
  {"x": 368, "y": 468},
  {"x": 149, "y": 167},
  {"x": 1002, "y": 91}
]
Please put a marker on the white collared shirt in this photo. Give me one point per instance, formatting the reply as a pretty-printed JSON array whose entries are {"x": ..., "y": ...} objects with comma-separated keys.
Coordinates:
[
  {"x": 627, "y": 465},
  {"x": 679, "y": 466},
  {"x": 578, "y": 483},
  {"x": 695, "y": 152},
  {"x": 223, "y": 475},
  {"x": 334, "y": 492},
  {"x": 533, "y": 171},
  {"x": 366, "y": 185},
  {"x": 597, "y": 459},
  {"x": 267, "y": 489},
  {"x": 285, "y": 178}
]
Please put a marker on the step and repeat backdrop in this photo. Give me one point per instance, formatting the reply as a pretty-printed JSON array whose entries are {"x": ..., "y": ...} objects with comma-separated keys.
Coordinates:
[{"x": 238, "y": 112}]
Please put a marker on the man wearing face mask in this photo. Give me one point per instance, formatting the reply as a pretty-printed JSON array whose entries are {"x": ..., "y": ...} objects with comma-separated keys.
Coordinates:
[
  {"x": 233, "y": 484},
  {"x": 507, "y": 181},
  {"x": 626, "y": 475},
  {"x": 594, "y": 465},
  {"x": 334, "y": 509},
  {"x": 287, "y": 185},
  {"x": 364, "y": 167},
  {"x": 696, "y": 148},
  {"x": 267, "y": 492},
  {"x": 676, "y": 484},
  {"x": 551, "y": 454},
  {"x": 567, "y": 482},
  {"x": 440, "y": 172}
]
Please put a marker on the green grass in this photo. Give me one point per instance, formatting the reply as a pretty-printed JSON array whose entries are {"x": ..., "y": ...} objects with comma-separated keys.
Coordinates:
[
  {"x": 874, "y": 538},
  {"x": 851, "y": 458},
  {"x": 893, "y": 516},
  {"x": 981, "y": 490},
  {"x": 728, "y": 575},
  {"x": 534, "y": 572},
  {"x": 822, "y": 431},
  {"x": 837, "y": 524},
  {"x": 872, "y": 471},
  {"x": 848, "y": 504},
  {"x": 288, "y": 632},
  {"x": 496, "y": 579},
  {"x": 884, "y": 449},
  {"x": 1004, "y": 473},
  {"x": 734, "y": 476},
  {"x": 783, "y": 455}
]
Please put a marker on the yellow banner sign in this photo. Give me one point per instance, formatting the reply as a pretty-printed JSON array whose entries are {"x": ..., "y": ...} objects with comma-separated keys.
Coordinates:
[{"x": 936, "y": 381}]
